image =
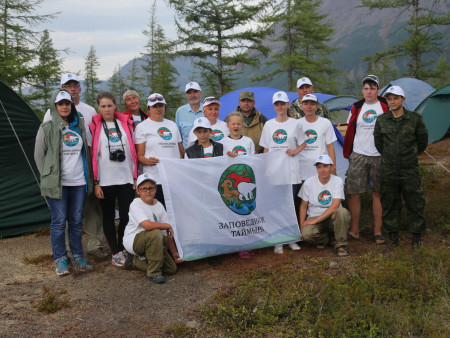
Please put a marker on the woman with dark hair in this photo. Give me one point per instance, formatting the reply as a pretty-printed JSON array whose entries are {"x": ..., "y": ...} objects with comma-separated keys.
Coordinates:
[
  {"x": 114, "y": 163},
  {"x": 62, "y": 158}
]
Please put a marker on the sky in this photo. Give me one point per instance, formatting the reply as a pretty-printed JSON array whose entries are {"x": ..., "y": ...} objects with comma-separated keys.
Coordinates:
[{"x": 113, "y": 27}]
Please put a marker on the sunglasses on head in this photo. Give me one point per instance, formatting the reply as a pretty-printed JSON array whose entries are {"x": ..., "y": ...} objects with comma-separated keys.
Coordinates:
[
  {"x": 156, "y": 98},
  {"x": 211, "y": 99}
]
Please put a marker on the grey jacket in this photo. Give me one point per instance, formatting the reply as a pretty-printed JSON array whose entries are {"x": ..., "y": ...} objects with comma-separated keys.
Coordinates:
[{"x": 48, "y": 151}]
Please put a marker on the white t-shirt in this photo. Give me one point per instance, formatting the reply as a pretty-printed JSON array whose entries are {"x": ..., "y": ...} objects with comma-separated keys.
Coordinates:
[
  {"x": 242, "y": 146},
  {"x": 364, "y": 142},
  {"x": 140, "y": 212},
  {"x": 114, "y": 172},
  {"x": 136, "y": 119},
  {"x": 318, "y": 134},
  {"x": 319, "y": 196},
  {"x": 161, "y": 141},
  {"x": 87, "y": 111},
  {"x": 72, "y": 169},
  {"x": 218, "y": 133}
]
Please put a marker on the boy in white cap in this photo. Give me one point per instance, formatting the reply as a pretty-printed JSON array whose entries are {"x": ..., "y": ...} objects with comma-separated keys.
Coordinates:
[
  {"x": 305, "y": 86},
  {"x": 321, "y": 212},
  {"x": 187, "y": 114},
  {"x": 93, "y": 221},
  {"x": 148, "y": 235},
  {"x": 203, "y": 147},
  {"x": 400, "y": 137}
]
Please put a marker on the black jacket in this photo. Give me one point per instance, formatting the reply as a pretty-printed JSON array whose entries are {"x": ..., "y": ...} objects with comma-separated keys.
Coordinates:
[{"x": 196, "y": 151}]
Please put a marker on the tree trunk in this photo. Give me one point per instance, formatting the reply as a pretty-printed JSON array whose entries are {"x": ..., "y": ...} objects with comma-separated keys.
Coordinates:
[{"x": 415, "y": 54}]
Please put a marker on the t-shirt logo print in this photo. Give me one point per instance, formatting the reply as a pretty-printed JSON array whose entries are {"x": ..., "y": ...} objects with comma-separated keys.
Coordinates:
[
  {"x": 216, "y": 135},
  {"x": 279, "y": 136},
  {"x": 165, "y": 133},
  {"x": 311, "y": 136},
  {"x": 237, "y": 187},
  {"x": 112, "y": 135},
  {"x": 240, "y": 150},
  {"x": 369, "y": 116},
  {"x": 324, "y": 197},
  {"x": 70, "y": 139}
]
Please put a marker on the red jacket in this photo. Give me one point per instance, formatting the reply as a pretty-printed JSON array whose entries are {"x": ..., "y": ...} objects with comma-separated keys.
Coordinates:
[
  {"x": 143, "y": 114},
  {"x": 351, "y": 128}
]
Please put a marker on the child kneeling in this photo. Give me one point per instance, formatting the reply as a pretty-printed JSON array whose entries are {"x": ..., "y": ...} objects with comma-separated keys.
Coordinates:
[{"x": 153, "y": 251}]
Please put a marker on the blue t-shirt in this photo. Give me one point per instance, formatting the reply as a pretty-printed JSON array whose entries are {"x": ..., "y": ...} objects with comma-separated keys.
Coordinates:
[{"x": 184, "y": 118}]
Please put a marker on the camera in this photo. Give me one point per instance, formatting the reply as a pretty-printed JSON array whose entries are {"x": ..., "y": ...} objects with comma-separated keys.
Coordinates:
[{"x": 117, "y": 155}]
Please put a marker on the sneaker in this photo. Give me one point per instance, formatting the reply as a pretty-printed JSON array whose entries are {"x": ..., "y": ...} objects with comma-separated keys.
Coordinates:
[
  {"x": 81, "y": 263},
  {"x": 158, "y": 279},
  {"x": 118, "y": 259},
  {"x": 99, "y": 253},
  {"x": 278, "y": 249},
  {"x": 62, "y": 267},
  {"x": 416, "y": 242},
  {"x": 294, "y": 246}
]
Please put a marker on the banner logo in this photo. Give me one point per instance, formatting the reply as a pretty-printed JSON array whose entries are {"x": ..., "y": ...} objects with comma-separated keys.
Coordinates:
[
  {"x": 165, "y": 133},
  {"x": 279, "y": 136},
  {"x": 237, "y": 187}
]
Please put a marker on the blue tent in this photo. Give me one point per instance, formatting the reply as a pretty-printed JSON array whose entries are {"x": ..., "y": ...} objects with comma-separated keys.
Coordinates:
[
  {"x": 415, "y": 91},
  {"x": 263, "y": 102}
]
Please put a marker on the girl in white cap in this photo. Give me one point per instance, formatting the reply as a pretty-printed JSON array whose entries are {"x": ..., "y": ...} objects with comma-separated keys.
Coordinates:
[{"x": 284, "y": 133}]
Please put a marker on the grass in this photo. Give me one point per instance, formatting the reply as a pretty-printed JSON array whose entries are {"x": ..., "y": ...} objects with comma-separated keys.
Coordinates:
[
  {"x": 41, "y": 259},
  {"x": 380, "y": 293},
  {"x": 52, "y": 301}
]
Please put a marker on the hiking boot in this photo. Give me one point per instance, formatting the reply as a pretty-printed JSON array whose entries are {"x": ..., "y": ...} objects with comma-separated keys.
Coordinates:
[
  {"x": 278, "y": 249},
  {"x": 393, "y": 236},
  {"x": 62, "y": 267},
  {"x": 81, "y": 264},
  {"x": 99, "y": 253},
  {"x": 118, "y": 259},
  {"x": 158, "y": 279},
  {"x": 416, "y": 241},
  {"x": 129, "y": 262}
]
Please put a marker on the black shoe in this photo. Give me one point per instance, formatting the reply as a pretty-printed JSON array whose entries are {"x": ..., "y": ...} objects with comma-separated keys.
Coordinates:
[
  {"x": 157, "y": 279},
  {"x": 128, "y": 265},
  {"x": 393, "y": 236},
  {"x": 416, "y": 241}
]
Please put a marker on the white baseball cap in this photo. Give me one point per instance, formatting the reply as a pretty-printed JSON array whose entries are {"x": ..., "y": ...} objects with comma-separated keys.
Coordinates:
[
  {"x": 144, "y": 177},
  {"x": 192, "y": 85},
  {"x": 280, "y": 96},
  {"x": 202, "y": 122},
  {"x": 154, "y": 99},
  {"x": 396, "y": 90},
  {"x": 309, "y": 97},
  {"x": 63, "y": 95},
  {"x": 304, "y": 81},
  {"x": 324, "y": 159},
  {"x": 210, "y": 100},
  {"x": 66, "y": 77}
]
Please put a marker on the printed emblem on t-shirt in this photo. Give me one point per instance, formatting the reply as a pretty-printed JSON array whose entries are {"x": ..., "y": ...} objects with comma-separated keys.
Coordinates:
[
  {"x": 112, "y": 135},
  {"x": 155, "y": 218},
  {"x": 136, "y": 122},
  {"x": 311, "y": 136},
  {"x": 165, "y": 133},
  {"x": 70, "y": 139},
  {"x": 279, "y": 136},
  {"x": 208, "y": 155},
  {"x": 324, "y": 197},
  {"x": 240, "y": 150},
  {"x": 216, "y": 135},
  {"x": 369, "y": 116}
]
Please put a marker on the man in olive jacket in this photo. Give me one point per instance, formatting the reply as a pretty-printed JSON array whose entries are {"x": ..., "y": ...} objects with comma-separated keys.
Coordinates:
[{"x": 400, "y": 137}]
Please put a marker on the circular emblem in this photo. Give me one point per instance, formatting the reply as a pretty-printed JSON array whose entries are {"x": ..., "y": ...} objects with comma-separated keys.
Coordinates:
[
  {"x": 216, "y": 135},
  {"x": 237, "y": 187},
  {"x": 311, "y": 136},
  {"x": 207, "y": 155},
  {"x": 165, "y": 133},
  {"x": 240, "y": 150},
  {"x": 70, "y": 139},
  {"x": 324, "y": 197},
  {"x": 279, "y": 136},
  {"x": 112, "y": 135},
  {"x": 369, "y": 116}
]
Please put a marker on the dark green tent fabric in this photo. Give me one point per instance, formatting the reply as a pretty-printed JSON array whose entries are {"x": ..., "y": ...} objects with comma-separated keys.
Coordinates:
[
  {"x": 22, "y": 208},
  {"x": 435, "y": 110}
]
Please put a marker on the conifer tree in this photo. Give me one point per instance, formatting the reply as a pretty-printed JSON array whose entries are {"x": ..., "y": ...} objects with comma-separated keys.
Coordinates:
[
  {"x": 116, "y": 84},
  {"x": 220, "y": 35},
  {"x": 91, "y": 80}
]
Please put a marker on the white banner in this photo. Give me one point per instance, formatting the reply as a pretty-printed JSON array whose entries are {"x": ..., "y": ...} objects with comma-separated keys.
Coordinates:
[{"x": 222, "y": 205}]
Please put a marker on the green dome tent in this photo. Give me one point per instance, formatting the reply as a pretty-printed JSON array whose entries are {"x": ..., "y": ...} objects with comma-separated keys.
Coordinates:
[
  {"x": 435, "y": 110},
  {"x": 22, "y": 208}
]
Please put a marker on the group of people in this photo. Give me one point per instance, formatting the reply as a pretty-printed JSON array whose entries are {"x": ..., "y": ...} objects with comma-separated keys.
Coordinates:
[{"x": 92, "y": 163}]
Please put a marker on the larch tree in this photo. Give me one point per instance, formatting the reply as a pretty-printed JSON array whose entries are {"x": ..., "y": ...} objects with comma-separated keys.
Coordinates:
[{"x": 91, "y": 80}]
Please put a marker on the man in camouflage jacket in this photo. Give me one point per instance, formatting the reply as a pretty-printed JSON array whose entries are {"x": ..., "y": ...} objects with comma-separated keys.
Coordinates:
[
  {"x": 305, "y": 86},
  {"x": 400, "y": 137}
]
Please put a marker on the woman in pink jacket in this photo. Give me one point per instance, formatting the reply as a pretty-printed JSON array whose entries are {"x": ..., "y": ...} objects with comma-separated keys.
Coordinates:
[{"x": 114, "y": 162}]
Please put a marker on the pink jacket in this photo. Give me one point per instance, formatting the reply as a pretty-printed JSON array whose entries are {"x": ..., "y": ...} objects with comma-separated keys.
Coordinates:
[{"x": 96, "y": 128}]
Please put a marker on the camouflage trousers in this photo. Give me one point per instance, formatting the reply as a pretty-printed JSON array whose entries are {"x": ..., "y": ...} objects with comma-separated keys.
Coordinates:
[{"x": 392, "y": 191}]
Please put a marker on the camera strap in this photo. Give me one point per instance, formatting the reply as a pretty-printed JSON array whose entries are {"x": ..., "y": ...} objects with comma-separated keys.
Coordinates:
[{"x": 119, "y": 133}]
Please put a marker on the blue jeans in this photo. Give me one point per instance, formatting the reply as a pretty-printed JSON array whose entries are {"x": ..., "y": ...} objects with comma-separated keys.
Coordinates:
[{"x": 67, "y": 209}]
